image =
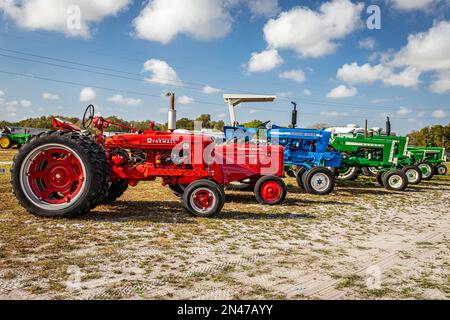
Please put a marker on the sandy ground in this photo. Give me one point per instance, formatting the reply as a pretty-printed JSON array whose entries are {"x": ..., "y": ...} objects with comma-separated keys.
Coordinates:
[{"x": 361, "y": 242}]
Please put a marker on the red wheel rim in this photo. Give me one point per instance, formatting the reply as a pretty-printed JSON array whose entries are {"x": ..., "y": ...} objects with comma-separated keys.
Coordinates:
[
  {"x": 55, "y": 176},
  {"x": 203, "y": 199},
  {"x": 270, "y": 191}
]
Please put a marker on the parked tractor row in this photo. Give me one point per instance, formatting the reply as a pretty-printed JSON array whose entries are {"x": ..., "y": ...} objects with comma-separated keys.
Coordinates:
[{"x": 68, "y": 171}]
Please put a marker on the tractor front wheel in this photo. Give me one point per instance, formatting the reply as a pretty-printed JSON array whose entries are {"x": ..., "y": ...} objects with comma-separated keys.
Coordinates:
[
  {"x": 395, "y": 180},
  {"x": 5, "y": 142},
  {"x": 413, "y": 174},
  {"x": 203, "y": 198},
  {"x": 380, "y": 175},
  {"x": 60, "y": 175},
  {"x": 427, "y": 170},
  {"x": 440, "y": 170},
  {"x": 319, "y": 180},
  {"x": 299, "y": 177},
  {"x": 270, "y": 190}
]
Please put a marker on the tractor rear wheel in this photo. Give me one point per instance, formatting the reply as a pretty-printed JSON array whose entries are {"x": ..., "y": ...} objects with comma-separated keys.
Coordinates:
[
  {"x": 60, "y": 174},
  {"x": 349, "y": 174},
  {"x": 115, "y": 191},
  {"x": 413, "y": 174},
  {"x": 319, "y": 180},
  {"x": 440, "y": 169},
  {"x": 395, "y": 180},
  {"x": 5, "y": 142},
  {"x": 203, "y": 198},
  {"x": 299, "y": 177},
  {"x": 270, "y": 190},
  {"x": 427, "y": 170}
]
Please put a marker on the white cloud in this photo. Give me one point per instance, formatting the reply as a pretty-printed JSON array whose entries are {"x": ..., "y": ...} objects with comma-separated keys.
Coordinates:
[
  {"x": 342, "y": 92},
  {"x": 333, "y": 114},
  {"x": 403, "y": 111},
  {"x": 439, "y": 114},
  {"x": 307, "y": 92},
  {"x": 121, "y": 100},
  {"x": 161, "y": 73},
  {"x": 2, "y": 93},
  {"x": 428, "y": 51},
  {"x": 408, "y": 5},
  {"x": 313, "y": 33},
  {"x": 209, "y": 90},
  {"x": 57, "y": 16},
  {"x": 295, "y": 75},
  {"x": 185, "y": 100},
  {"x": 367, "y": 43},
  {"x": 263, "y": 8},
  {"x": 442, "y": 83},
  {"x": 264, "y": 61},
  {"x": 25, "y": 103},
  {"x": 163, "y": 20},
  {"x": 87, "y": 94},
  {"x": 354, "y": 74},
  {"x": 50, "y": 96}
]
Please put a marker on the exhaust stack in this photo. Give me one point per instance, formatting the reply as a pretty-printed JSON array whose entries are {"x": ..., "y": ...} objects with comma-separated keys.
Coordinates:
[
  {"x": 172, "y": 120},
  {"x": 388, "y": 126},
  {"x": 294, "y": 115},
  {"x": 366, "y": 128}
]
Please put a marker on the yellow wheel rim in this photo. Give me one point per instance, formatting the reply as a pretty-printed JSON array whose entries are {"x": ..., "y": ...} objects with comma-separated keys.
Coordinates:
[{"x": 4, "y": 142}]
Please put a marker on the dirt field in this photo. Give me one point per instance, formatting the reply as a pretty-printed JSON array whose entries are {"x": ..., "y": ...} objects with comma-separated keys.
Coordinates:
[{"x": 360, "y": 242}]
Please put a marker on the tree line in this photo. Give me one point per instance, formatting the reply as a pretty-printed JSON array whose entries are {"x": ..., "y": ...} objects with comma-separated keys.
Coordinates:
[{"x": 435, "y": 136}]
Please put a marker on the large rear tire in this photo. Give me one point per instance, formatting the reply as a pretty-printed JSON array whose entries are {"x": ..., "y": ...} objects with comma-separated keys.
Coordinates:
[
  {"x": 395, "y": 180},
  {"x": 5, "y": 142},
  {"x": 60, "y": 175},
  {"x": 380, "y": 175},
  {"x": 203, "y": 198},
  {"x": 427, "y": 170},
  {"x": 349, "y": 174},
  {"x": 270, "y": 190},
  {"x": 319, "y": 180}
]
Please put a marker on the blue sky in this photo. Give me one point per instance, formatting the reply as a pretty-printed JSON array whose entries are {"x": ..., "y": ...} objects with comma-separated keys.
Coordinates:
[{"x": 319, "y": 54}]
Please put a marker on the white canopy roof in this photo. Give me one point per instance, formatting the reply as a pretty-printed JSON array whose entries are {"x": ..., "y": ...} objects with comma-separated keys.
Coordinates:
[{"x": 236, "y": 99}]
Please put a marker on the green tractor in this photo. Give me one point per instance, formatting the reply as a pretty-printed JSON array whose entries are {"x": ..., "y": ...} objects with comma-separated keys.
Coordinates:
[
  {"x": 395, "y": 169},
  {"x": 9, "y": 138},
  {"x": 429, "y": 159}
]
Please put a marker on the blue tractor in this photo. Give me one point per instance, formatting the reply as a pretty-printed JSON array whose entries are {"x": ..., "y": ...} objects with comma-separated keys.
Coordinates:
[{"x": 307, "y": 154}]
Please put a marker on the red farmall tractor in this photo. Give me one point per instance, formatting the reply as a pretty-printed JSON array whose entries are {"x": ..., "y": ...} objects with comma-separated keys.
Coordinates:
[{"x": 68, "y": 172}]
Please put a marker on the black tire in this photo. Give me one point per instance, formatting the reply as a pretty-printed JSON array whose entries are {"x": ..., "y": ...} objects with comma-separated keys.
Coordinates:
[
  {"x": 350, "y": 174},
  {"x": 365, "y": 171},
  {"x": 299, "y": 177},
  {"x": 427, "y": 170},
  {"x": 319, "y": 180},
  {"x": 177, "y": 190},
  {"x": 413, "y": 174},
  {"x": 115, "y": 191},
  {"x": 440, "y": 169},
  {"x": 380, "y": 175},
  {"x": 96, "y": 175},
  {"x": 214, "y": 203},
  {"x": 290, "y": 172},
  {"x": 270, "y": 190},
  {"x": 5, "y": 142},
  {"x": 395, "y": 180}
]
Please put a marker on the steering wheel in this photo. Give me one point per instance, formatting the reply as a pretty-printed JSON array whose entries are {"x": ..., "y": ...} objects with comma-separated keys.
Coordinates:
[
  {"x": 88, "y": 116},
  {"x": 264, "y": 124}
]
